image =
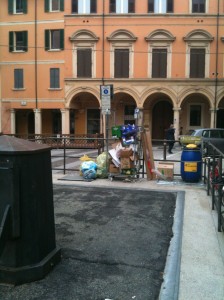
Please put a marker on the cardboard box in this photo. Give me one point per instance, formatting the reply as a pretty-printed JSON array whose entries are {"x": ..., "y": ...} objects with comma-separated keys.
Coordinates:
[
  {"x": 166, "y": 170},
  {"x": 127, "y": 152},
  {"x": 113, "y": 169},
  {"x": 126, "y": 163}
]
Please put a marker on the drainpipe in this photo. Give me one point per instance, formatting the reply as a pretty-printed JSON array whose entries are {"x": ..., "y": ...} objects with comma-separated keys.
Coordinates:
[
  {"x": 216, "y": 67},
  {"x": 35, "y": 59},
  {"x": 103, "y": 36}
]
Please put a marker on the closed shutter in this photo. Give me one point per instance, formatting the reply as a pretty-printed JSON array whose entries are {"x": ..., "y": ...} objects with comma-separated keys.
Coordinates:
[
  {"x": 159, "y": 63},
  {"x": 121, "y": 63},
  {"x": 198, "y": 6},
  {"x": 112, "y": 6},
  {"x": 150, "y": 5},
  {"x": 18, "y": 78},
  {"x": 84, "y": 63},
  {"x": 54, "y": 78},
  {"x": 197, "y": 63},
  {"x": 11, "y": 41}
]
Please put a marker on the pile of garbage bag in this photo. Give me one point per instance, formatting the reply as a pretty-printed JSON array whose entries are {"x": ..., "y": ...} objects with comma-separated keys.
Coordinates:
[{"x": 91, "y": 169}]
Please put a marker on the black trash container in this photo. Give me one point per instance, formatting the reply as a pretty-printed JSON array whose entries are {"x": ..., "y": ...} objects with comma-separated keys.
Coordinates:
[{"x": 27, "y": 238}]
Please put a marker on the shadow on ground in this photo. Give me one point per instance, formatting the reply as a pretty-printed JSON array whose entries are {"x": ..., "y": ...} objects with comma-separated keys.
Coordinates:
[{"x": 114, "y": 245}]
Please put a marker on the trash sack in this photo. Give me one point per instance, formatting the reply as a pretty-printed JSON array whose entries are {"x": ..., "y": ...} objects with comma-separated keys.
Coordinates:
[
  {"x": 101, "y": 160},
  {"x": 89, "y": 174},
  {"x": 86, "y": 158},
  {"x": 101, "y": 172},
  {"x": 87, "y": 166}
]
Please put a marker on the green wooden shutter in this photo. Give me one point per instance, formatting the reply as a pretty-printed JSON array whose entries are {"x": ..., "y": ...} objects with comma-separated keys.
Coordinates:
[
  {"x": 61, "y": 5},
  {"x": 25, "y": 6},
  {"x": 62, "y": 39},
  {"x": 11, "y": 41},
  {"x": 112, "y": 6},
  {"x": 10, "y": 7},
  {"x": 25, "y": 38},
  {"x": 47, "y": 40},
  {"x": 46, "y": 5},
  {"x": 150, "y": 6}
]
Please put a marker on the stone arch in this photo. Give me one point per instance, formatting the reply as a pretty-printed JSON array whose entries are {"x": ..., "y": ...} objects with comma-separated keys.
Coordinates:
[
  {"x": 122, "y": 35},
  {"x": 84, "y": 35},
  {"x": 156, "y": 90},
  {"x": 190, "y": 91},
  {"x": 160, "y": 35},
  {"x": 196, "y": 109},
  {"x": 69, "y": 97},
  {"x": 198, "y": 35},
  {"x": 158, "y": 111}
]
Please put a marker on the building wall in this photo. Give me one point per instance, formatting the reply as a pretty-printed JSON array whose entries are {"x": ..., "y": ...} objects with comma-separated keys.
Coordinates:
[{"x": 98, "y": 31}]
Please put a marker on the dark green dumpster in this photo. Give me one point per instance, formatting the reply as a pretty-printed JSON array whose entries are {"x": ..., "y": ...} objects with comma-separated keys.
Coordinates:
[{"x": 27, "y": 234}]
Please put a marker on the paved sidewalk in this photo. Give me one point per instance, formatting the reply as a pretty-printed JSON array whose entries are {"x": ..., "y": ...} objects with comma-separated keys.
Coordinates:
[{"x": 202, "y": 254}]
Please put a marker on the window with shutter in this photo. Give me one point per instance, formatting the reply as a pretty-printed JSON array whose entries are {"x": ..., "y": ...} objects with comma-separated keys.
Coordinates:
[
  {"x": 18, "y": 41},
  {"x": 197, "y": 63},
  {"x": 160, "y": 6},
  {"x": 54, "y": 78},
  {"x": 198, "y": 6},
  {"x": 84, "y": 6},
  {"x": 18, "y": 78},
  {"x": 54, "y": 5},
  {"x": 54, "y": 39},
  {"x": 159, "y": 63},
  {"x": 84, "y": 62},
  {"x": 17, "y": 6},
  {"x": 121, "y": 63},
  {"x": 122, "y": 6}
]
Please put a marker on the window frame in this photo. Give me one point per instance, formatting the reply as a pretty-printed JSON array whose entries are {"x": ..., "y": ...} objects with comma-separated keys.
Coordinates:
[
  {"x": 49, "y": 37},
  {"x": 190, "y": 105},
  {"x": 48, "y": 6},
  {"x": 92, "y": 6},
  {"x": 54, "y": 78},
  {"x": 196, "y": 70},
  {"x": 18, "y": 79},
  {"x": 130, "y": 6},
  {"x": 83, "y": 61},
  {"x": 13, "y": 41},
  {"x": 198, "y": 4},
  {"x": 122, "y": 62},
  {"x": 162, "y": 70},
  {"x": 152, "y": 6}
]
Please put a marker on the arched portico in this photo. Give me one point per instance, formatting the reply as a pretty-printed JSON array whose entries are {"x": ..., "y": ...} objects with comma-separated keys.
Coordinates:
[{"x": 158, "y": 114}]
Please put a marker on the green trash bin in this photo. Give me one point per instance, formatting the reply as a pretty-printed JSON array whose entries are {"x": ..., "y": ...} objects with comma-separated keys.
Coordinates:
[{"x": 116, "y": 131}]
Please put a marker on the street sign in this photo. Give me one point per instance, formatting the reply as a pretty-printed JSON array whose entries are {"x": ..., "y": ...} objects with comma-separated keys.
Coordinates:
[{"x": 105, "y": 98}]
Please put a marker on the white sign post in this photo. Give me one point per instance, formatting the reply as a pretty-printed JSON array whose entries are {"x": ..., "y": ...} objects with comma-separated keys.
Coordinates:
[
  {"x": 105, "y": 99},
  {"x": 106, "y": 95}
]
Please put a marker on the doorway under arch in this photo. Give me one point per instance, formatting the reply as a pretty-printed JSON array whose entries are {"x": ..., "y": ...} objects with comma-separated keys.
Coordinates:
[{"x": 162, "y": 117}]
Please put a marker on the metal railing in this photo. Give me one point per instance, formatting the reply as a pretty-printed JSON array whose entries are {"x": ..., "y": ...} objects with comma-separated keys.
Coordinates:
[{"x": 214, "y": 179}]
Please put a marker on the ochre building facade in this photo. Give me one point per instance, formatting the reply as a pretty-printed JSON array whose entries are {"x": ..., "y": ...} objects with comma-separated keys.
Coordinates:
[{"x": 163, "y": 57}]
